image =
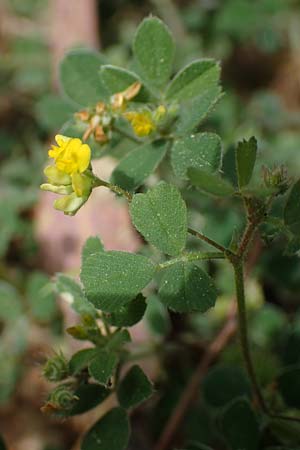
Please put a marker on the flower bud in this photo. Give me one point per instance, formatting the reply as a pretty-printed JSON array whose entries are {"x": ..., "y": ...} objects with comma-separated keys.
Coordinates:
[
  {"x": 277, "y": 178},
  {"x": 62, "y": 398},
  {"x": 56, "y": 368}
]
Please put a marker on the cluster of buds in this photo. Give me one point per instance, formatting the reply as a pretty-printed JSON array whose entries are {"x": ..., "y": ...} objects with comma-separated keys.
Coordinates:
[
  {"x": 277, "y": 178},
  {"x": 71, "y": 174},
  {"x": 99, "y": 119}
]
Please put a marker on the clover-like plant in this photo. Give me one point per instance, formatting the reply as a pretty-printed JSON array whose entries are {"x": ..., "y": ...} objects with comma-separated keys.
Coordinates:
[{"x": 157, "y": 116}]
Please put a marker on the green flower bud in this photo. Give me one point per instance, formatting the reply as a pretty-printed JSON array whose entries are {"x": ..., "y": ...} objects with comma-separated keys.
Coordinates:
[
  {"x": 56, "y": 368},
  {"x": 62, "y": 397},
  {"x": 277, "y": 178}
]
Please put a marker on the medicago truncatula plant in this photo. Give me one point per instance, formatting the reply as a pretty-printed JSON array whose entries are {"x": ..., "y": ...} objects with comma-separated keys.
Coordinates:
[{"x": 157, "y": 116}]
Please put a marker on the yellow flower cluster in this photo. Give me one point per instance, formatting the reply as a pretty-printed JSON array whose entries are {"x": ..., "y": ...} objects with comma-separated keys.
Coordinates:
[{"x": 69, "y": 175}]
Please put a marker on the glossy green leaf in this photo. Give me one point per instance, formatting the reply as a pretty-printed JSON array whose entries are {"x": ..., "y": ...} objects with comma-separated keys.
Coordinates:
[
  {"x": 201, "y": 151},
  {"x": 112, "y": 279},
  {"x": 292, "y": 209},
  {"x": 160, "y": 216},
  {"x": 75, "y": 295},
  {"x": 111, "y": 432},
  {"x": 245, "y": 160},
  {"x": 223, "y": 383},
  {"x": 138, "y": 164},
  {"x": 184, "y": 287},
  {"x": 79, "y": 77},
  {"x": 154, "y": 49},
  {"x": 195, "y": 110},
  {"x": 102, "y": 366},
  {"x": 117, "y": 79},
  {"x": 210, "y": 183},
  {"x": 240, "y": 426},
  {"x": 193, "y": 80},
  {"x": 92, "y": 245},
  {"x": 289, "y": 386},
  {"x": 129, "y": 314},
  {"x": 134, "y": 389}
]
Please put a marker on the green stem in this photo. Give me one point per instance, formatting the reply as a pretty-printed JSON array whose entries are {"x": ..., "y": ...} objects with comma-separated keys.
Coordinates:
[
  {"x": 243, "y": 331},
  {"x": 191, "y": 257},
  {"x": 117, "y": 189},
  {"x": 208, "y": 240}
]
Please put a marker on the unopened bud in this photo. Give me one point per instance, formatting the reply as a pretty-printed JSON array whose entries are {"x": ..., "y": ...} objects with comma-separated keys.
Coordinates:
[{"x": 56, "y": 368}]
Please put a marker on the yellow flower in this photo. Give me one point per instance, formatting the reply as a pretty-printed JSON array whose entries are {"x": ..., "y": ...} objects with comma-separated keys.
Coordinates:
[
  {"x": 71, "y": 155},
  {"x": 141, "y": 122},
  {"x": 69, "y": 175}
]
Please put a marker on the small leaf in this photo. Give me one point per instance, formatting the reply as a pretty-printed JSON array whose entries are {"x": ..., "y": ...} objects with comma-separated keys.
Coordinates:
[
  {"x": 138, "y": 164},
  {"x": 73, "y": 292},
  {"x": 194, "y": 80},
  {"x": 81, "y": 359},
  {"x": 112, "y": 279},
  {"x": 184, "y": 287},
  {"x": 79, "y": 77},
  {"x": 154, "y": 49},
  {"x": 223, "y": 383},
  {"x": 102, "y": 366},
  {"x": 92, "y": 245},
  {"x": 210, "y": 183},
  {"x": 245, "y": 160},
  {"x": 89, "y": 396},
  {"x": 134, "y": 389},
  {"x": 111, "y": 432},
  {"x": 129, "y": 314},
  {"x": 289, "y": 386},
  {"x": 201, "y": 151},
  {"x": 117, "y": 79},
  {"x": 160, "y": 216},
  {"x": 240, "y": 426},
  {"x": 292, "y": 209},
  {"x": 195, "y": 110}
]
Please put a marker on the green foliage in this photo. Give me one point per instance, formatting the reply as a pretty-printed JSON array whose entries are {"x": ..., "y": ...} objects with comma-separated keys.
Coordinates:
[
  {"x": 194, "y": 80},
  {"x": 103, "y": 435},
  {"x": 154, "y": 49},
  {"x": 160, "y": 216},
  {"x": 210, "y": 183},
  {"x": 112, "y": 279},
  {"x": 134, "y": 389},
  {"x": 200, "y": 151},
  {"x": 102, "y": 366},
  {"x": 79, "y": 77},
  {"x": 129, "y": 314},
  {"x": 184, "y": 287},
  {"x": 245, "y": 160},
  {"x": 137, "y": 165}
]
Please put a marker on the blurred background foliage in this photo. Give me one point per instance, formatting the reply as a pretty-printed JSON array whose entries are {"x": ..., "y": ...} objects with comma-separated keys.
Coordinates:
[{"x": 258, "y": 44}]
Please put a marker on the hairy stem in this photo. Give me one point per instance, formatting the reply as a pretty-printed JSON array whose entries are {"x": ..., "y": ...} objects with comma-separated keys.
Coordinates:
[
  {"x": 191, "y": 257},
  {"x": 116, "y": 189}
]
